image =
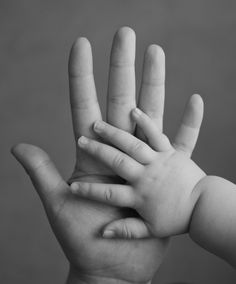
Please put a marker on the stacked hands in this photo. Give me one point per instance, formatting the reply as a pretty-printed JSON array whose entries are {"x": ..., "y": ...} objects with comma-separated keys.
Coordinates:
[
  {"x": 160, "y": 179},
  {"x": 137, "y": 188}
]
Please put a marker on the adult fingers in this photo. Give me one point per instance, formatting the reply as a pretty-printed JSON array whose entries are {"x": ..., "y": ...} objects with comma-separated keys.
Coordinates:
[
  {"x": 111, "y": 194},
  {"x": 48, "y": 182},
  {"x": 84, "y": 104},
  {"x": 119, "y": 162},
  {"x": 125, "y": 141},
  {"x": 129, "y": 228},
  {"x": 152, "y": 91},
  {"x": 188, "y": 132},
  {"x": 121, "y": 85}
]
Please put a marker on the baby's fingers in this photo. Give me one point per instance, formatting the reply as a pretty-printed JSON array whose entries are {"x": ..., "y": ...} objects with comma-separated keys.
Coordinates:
[
  {"x": 188, "y": 132},
  {"x": 129, "y": 228},
  {"x": 111, "y": 194},
  {"x": 126, "y": 142},
  {"x": 155, "y": 137},
  {"x": 119, "y": 162}
]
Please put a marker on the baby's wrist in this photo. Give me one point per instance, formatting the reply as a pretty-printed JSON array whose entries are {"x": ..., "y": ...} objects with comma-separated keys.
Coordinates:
[
  {"x": 77, "y": 277},
  {"x": 204, "y": 184},
  {"x": 200, "y": 188}
]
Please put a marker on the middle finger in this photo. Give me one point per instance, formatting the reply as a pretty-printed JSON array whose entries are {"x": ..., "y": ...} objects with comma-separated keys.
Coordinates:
[
  {"x": 121, "y": 85},
  {"x": 152, "y": 92}
]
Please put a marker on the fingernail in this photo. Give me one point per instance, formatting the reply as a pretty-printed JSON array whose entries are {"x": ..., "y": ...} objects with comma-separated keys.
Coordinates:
[
  {"x": 98, "y": 125},
  {"x": 137, "y": 111},
  {"x": 108, "y": 234},
  {"x": 82, "y": 141},
  {"x": 74, "y": 187}
]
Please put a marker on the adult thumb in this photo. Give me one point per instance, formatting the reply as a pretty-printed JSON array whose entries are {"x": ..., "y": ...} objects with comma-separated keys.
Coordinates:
[
  {"x": 46, "y": 179},
  {"x": 128, "y": 228}
]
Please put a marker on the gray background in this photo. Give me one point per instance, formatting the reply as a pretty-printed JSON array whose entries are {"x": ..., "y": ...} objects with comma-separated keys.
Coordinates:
[{"x": 35, "y": 37}]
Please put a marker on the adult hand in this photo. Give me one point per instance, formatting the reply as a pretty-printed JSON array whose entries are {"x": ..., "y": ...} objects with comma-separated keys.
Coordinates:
[{"x": 77, "y": 223}]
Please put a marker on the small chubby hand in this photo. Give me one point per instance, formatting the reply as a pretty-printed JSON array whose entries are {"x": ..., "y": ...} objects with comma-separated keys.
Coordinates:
[{"x": 159, "y": 177}]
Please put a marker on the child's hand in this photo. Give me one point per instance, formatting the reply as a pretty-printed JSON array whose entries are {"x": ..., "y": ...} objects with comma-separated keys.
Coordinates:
[{"x": 160, "y": 177}]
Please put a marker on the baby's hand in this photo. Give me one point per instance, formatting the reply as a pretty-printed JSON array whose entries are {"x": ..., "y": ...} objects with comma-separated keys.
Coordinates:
[{"x": 160, "y": 177}]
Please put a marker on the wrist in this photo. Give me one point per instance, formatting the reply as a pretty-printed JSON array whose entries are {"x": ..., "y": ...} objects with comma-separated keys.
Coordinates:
[
  {"x": 201, "y": 189},
  {"x": 196, "y": 193},
  {"x": 75, "y": 277},
  {"x": 213, "y": 220}
]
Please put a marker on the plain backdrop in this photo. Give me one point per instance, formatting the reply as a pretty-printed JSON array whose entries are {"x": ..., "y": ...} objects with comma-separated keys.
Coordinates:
[{"x": 199, "y": 40}]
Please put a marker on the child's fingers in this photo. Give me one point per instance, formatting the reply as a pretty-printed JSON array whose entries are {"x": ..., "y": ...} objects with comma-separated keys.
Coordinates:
[
  {"x": 156, "y": 139},
  {"x": 126, "y": 142},
  {"x": 188, "y": 132},
  {"x": 131, "y": 228},
  {"x": 111, "y": 194},
  {"x": 119, "y": 162}
]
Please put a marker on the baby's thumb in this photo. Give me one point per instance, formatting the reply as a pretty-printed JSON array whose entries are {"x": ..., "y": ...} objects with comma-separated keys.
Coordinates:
[
  {"x": 43, "y": 173},
  {"x": 128, "y": 228}
]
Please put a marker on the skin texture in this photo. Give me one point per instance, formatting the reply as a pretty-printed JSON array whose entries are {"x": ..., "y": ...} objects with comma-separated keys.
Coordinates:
[
  {"x": 213, "y": 220},
  {"x": 77, "y": 223},
  {"x": 160, "y": 177},
  {"x": 169, "y": 191}
]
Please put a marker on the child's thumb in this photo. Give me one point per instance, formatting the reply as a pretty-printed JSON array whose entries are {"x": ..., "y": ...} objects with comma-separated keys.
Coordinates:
[
  {"x": 128, "y": 228},
  {"x": 43, "y": 173}
]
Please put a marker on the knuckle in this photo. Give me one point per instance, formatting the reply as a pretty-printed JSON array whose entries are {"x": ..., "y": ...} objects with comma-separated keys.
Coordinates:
[
  {"x": 41, "y": 164},
  {"x": 125, "y": 230},
  {"x": 108, "y": 194},
  {"x": 137, "y": 147},
  {"x": 119, "y": 99},
  {"x": 183, "y": 147},
  {"x": 118, "y": 161}
]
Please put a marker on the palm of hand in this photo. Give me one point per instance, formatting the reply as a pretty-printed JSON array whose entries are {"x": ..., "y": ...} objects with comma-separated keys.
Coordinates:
[
  {"x": 82, "y": 241},
  {"x": 86, "y": 249},
  {"x": 77, "y": 222}
]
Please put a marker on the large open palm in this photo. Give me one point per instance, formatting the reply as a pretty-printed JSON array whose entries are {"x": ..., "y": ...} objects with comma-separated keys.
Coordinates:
[{"x": 77, "y": 223}]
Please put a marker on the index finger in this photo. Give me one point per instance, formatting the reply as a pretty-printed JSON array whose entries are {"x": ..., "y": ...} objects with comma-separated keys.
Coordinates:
[
  {"x": 83, "y": 98},
  {"x": 121, "y": 87}
]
